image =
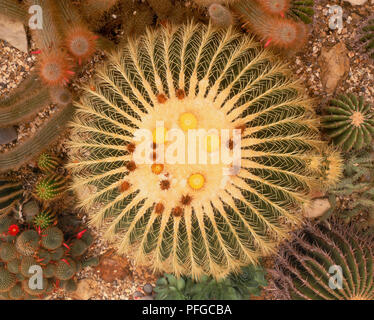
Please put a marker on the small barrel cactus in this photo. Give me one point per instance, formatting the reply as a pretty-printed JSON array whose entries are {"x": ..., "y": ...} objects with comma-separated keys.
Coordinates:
[
  {"x": 368, "y": 37},
  {"x": 349, "y": 122},
  {"x": 50, "y": 187},
  {"x": 10, "y": 194},
  {"x": 45, "y": 218},
  {"x": 323, "y": 262},
  {"x": 48, "y": 163},
  {"x": 32, "y": 249},
  {"x": 301, "y": 10},
  {"x": 194, "y": 219}
]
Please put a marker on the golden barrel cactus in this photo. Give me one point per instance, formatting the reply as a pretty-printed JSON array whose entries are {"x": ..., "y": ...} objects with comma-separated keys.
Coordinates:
[{"x": 194, "y": 218}]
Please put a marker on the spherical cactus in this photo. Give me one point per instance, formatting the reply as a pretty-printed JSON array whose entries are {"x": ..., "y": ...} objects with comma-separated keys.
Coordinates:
[
  {"x": 52, "y": 238},
  {"x": 50, "y": 187},
  {"x": 7, "y": 280},
  {"x": 349, "y": 122},
  {"x": 8, "y": 252},
  {"x": 45, "y": 218},
  {"x": 302, "y": 10},
  {"x": 27, "y": 242},
  {"x": 49, "y": 271},
  {"x": 81, "y": 43},
  {"x": 65, "y": 269},
  {"x": 69, "y": 285},
  {"x": 368, "y": 37},
  {"x": 35, "y": 292},
  {"x": 195, "y": 218},
  {"x": 48, "y": 163},
  {"x": 272, "y": 29},
  {"x": 220, "y": 16},
  {"x": 306, "y": 265},
  {"x": 274, "y": 7},
  {"x": 62, "y": 97},
  {"x": 26, "y": 264},
  {"x": 14, "y": 265},
  {"x": 10, "y": 194},
  {"x": 78, "y": 248},
  {"x": 16, "y": 293},
  {"x": 5, "y": 222},
  {"x": 44, "y": 257},
  {"x": 57, "y": 254}
]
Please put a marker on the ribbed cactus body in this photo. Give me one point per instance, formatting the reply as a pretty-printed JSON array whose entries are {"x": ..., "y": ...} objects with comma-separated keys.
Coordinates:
[
  {"x": 50, "y": 187},
  {"x": 310, "y": 265},
  {"x": 349, "y": 122},
  {"x": 302, "y": 10},
  {"x": 45, "y": 218},
  {"x": 47, "y": 162},
  {"x": 191, "y": 218},
  {"x": 368, "y": 37},
  {"x": 10, "y": 194}
]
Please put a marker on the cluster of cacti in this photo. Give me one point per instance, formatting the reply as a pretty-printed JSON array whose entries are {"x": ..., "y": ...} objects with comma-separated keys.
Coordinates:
[
  {"x": 367, "y": 37},
  {"x": 349, "y": 122},
  {"x": 50, "y": 187},
  {"x": 357, "y": 185},
  {"x": 325, "y": 262},
  {"x": 240, "y": 286},
  {"x": 11, "y": 193},
  {"x": 20, "y": 250},
  {"x": 193, "y": 219},
  {"x": 266, "y": 19}
]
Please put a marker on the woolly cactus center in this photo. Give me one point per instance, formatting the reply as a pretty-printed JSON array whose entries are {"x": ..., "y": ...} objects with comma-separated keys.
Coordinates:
[
  {"x": 276, "y": 7},
  {"x": 52, "y": 71},
  {"x": 357, "y": 118},
  {"x": 190, "y": 135},
  {"x": 79, "y": 46},
  {"x": 287, "y": 33}
]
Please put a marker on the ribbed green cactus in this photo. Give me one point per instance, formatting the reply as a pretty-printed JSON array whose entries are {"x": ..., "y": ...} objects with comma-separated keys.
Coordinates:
[
  {"x": 349, "y": 122},
  {"x": 58, "y": 266},
  {"x": 310, "y": 264},
  {"x": 48, "y": 163},
  {"x": 10, "y": 194},
  {"x": 50, "y": 187},
  {"x": 194, "y": 219},
  {"x": 45, "y": 218},
  {"x": 301, "y": 10},
  {"x": 368, "y": 37}
]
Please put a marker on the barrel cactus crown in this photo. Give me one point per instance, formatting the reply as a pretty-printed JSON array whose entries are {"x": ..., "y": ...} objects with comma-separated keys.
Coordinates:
[
  {"x": 182, "y": 217},
  {"x": 311, "y": 265},
  {"x": 349, "y": 122}
]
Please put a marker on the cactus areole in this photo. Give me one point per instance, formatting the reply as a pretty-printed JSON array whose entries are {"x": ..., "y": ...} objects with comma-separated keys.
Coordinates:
[{"x": 193, "y": 209}]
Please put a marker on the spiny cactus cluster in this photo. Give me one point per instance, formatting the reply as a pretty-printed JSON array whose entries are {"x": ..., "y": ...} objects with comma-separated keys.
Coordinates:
[
  {"x": 368, "y": 37},
  {"x": 50, "y": 187},
  {"x": 235, "y": 287},
  {"x": 191, "y": 219},
  {"x": 357, "y": 185},
  {"x": 58, "y": 258},
  {"x": 266, "y": 19},
  {"x": 11, "y": 193},
  {"x": 45, "y": 218},
  {"x": 349, "y": 122},
  {"x": 311, "y": 264}
]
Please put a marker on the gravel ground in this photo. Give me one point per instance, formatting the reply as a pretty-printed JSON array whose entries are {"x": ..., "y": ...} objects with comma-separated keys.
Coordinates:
[{"x": 15, "y": 65}]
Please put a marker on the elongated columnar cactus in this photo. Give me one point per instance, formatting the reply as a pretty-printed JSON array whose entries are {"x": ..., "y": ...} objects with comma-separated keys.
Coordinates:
[
  {"x": 349, "y": 122},
  {"x": 193, "y": 218},
  {"x": 10, "y": 194},
  {"x": 367, "y": 37},
  {"x": 326, "y": 263}
]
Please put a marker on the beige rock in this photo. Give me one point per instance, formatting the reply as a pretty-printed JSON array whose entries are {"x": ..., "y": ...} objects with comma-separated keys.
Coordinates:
[
  {"x": 86, "y": 289},
  {"x": 356, "y": 2},
  {"x": 334, "y": 64},
  {"x": 317, "y": 208},
  {"x": 13, "y": 32}
]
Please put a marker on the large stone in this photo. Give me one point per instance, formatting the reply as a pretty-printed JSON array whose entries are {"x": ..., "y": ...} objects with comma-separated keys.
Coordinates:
[
  {"x": 86, "y": 289},
  {"x": 317, "y": 208},
  {"x": 13, "y": 32},
  {"x": 8, "y": 135},
  {"x": 334, "y": 63},
  {"x": 113, "y": 267}
]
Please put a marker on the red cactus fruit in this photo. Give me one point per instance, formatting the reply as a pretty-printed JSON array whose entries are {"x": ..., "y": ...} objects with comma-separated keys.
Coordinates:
[
  {"x": 55, "y": 68},
  {"x": 81, "y": 43},
  {"x": 274, "y": 7}
]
